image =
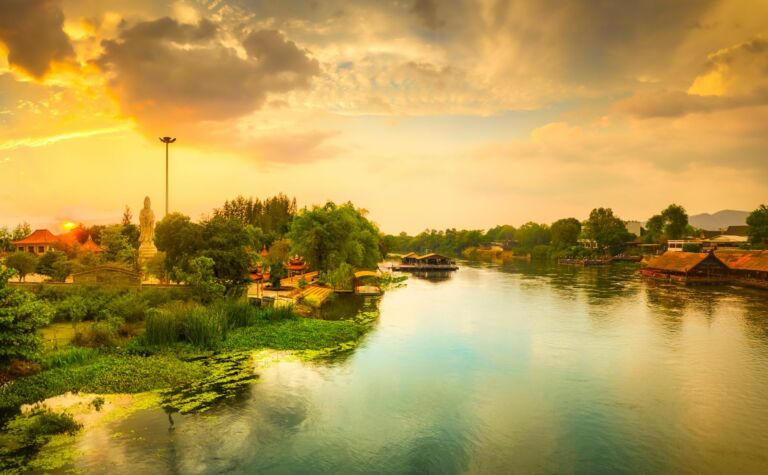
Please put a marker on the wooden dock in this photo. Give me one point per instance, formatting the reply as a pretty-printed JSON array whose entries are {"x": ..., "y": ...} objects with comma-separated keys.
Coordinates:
[
  {"x": 314, "y": 295},
  {"x": 293, "y": 282}
]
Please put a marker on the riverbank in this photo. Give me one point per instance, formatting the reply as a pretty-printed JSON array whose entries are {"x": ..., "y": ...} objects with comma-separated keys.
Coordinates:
[{"x": 180, "y": 377}]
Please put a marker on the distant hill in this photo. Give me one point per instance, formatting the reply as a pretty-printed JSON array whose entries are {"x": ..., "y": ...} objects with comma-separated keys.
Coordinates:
[{"x": 719, "y": 220}]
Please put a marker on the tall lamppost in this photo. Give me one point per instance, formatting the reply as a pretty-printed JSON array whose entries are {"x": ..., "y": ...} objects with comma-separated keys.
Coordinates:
[{"x": 167, "y": 141}]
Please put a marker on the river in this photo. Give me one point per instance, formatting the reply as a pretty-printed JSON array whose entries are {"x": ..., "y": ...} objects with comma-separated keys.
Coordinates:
[{"x": 496, "y": 369}]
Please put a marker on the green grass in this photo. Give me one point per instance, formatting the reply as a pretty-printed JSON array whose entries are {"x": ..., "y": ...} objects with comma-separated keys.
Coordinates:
[{"x": 294, "y": 334}]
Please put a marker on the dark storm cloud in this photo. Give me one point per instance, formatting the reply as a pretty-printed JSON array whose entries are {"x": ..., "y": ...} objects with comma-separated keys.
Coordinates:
[
  {"x": 162, "y": 70},
  {"x": 32, "y": 32}
]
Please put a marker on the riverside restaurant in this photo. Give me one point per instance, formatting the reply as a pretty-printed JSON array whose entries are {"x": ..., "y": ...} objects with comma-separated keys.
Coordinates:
[{"x": 428, "y": 262}]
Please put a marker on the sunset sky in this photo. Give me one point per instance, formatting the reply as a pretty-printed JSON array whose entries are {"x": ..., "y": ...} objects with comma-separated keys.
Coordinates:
[{"x": 427, "y": 113}]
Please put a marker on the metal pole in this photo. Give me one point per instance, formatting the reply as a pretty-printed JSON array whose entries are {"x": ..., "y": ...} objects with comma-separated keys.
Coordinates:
[
  {"x": 167, "y": 141},
  {"x": 166, "y": 178}
]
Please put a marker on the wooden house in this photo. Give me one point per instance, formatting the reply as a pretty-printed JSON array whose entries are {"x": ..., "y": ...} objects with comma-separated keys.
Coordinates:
[
  {"x": 747, "y": 267},
  {"x": 686, "y": 268}
]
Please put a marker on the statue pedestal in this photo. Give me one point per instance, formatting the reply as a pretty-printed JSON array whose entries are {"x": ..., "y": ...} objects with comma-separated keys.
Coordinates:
[{"x": 146, "y": 252}]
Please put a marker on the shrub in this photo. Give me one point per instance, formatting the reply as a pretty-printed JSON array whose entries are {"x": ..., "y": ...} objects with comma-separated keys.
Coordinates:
[
  {"x": 104, "y": 333},
  {"x": 203, "y": 281},
  {"x": 130, "y": 306},
  {"x": 73, "y": 308},
  {"x": 21, "y": 316}
]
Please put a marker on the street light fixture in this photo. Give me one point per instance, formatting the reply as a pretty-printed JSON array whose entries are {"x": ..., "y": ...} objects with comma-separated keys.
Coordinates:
[{"x": 167, "y": 141}]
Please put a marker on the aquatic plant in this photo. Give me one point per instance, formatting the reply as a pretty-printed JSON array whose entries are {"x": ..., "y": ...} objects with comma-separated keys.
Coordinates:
[
  {"x": 162, "y": 326},
  {"x": 205, "y": 327},
  {"x": 227, "y": 375},
  {"x": 68, "y": 357},
  {"x": 240, "y": 313},
  {"x": 27, "y": 433}
]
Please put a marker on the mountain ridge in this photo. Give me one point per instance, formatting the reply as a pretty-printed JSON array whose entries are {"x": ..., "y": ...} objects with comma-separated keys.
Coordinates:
[{"x": 719, "y": 220}]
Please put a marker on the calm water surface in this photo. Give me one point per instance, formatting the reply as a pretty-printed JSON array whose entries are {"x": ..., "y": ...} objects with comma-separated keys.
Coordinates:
[{"x": 516, "y": 369}]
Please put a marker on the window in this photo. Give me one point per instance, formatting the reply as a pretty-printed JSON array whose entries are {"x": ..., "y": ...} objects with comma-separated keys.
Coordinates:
[
  {"x": 31, "y": 249},
  {"x": 41, "y": 249}
]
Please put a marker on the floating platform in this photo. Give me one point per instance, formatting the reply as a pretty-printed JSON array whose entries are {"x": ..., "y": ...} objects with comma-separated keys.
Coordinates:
[{"x": 423, "y": 268}]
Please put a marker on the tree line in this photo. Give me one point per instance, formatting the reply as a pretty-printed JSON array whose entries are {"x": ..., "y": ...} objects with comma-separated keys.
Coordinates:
[
  {"x": 218, "y": 252},
  {"x": 560, "y": 238}
]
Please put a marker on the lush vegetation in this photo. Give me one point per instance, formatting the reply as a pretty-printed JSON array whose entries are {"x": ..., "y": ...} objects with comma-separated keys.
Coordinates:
[
  {"x": 331, "y": 235},
  {"x": 21, "y": 316},
  {"x": 538, "y": 240},
  {"x": 134, "y": 341},
  {"x": 757, "y": 226}
]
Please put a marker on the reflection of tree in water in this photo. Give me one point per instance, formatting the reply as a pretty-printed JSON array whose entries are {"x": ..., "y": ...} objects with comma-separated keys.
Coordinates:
[
  {"x": 342, "y": 307},
  {"x": 601, "y": 285}
]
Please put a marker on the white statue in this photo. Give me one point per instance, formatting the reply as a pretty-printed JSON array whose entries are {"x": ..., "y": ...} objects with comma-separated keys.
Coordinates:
[
  {"x": 147, "y": 223},
  {"x": 147, "y": 249}
]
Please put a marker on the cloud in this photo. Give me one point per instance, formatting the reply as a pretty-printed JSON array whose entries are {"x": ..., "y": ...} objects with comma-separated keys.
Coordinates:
[
  {"x": 734, "y": 77},
  {"x": 32, "y": 31},
  {"x": 163, "y": 72},
  {"x": 426, "y": 12},
  {"x": 740, "y": 70}
]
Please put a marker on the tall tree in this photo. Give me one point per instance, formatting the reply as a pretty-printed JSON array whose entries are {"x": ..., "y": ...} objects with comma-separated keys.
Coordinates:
[
  {"x": 330, "y": 235},
  {"x": 6, "y": 240},
  {"x": 226, "y": 242},
  {"x": 117, "y": 246},
  {"x": 273, "y": 215},
  {"x": 21, "y": 231},
  {"x": 606, "y": 229},
  {"x": 55, "y": 265},
  {"x": 533, "y": 234},
  {"x": 565, "y": 232},
  {"x": 654, "y": 229},
  {"x": 23, "y": 263},
  {"x": 181, "y": 240},
  {"x": 675, "y": 221},
  {"x": 127, "y": 216},
  {"x": 757, "y": 226}
]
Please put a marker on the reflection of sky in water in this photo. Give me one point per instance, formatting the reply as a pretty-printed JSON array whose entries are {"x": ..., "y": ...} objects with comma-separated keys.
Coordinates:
[{"x": 530, "y": 370}]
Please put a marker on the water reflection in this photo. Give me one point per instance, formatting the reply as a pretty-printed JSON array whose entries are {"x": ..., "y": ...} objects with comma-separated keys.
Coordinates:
[
  {"x": 432, "y": 276},
  {"x": 498, "y": 369}
]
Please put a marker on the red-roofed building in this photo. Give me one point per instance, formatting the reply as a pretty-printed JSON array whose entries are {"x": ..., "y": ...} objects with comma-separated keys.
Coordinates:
[
  {"x": 42, "y": 241},
  {"x": 90, "y": 245},
  {"x": 39, "y": 242},
  {"x": 296, "y": 266}
]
